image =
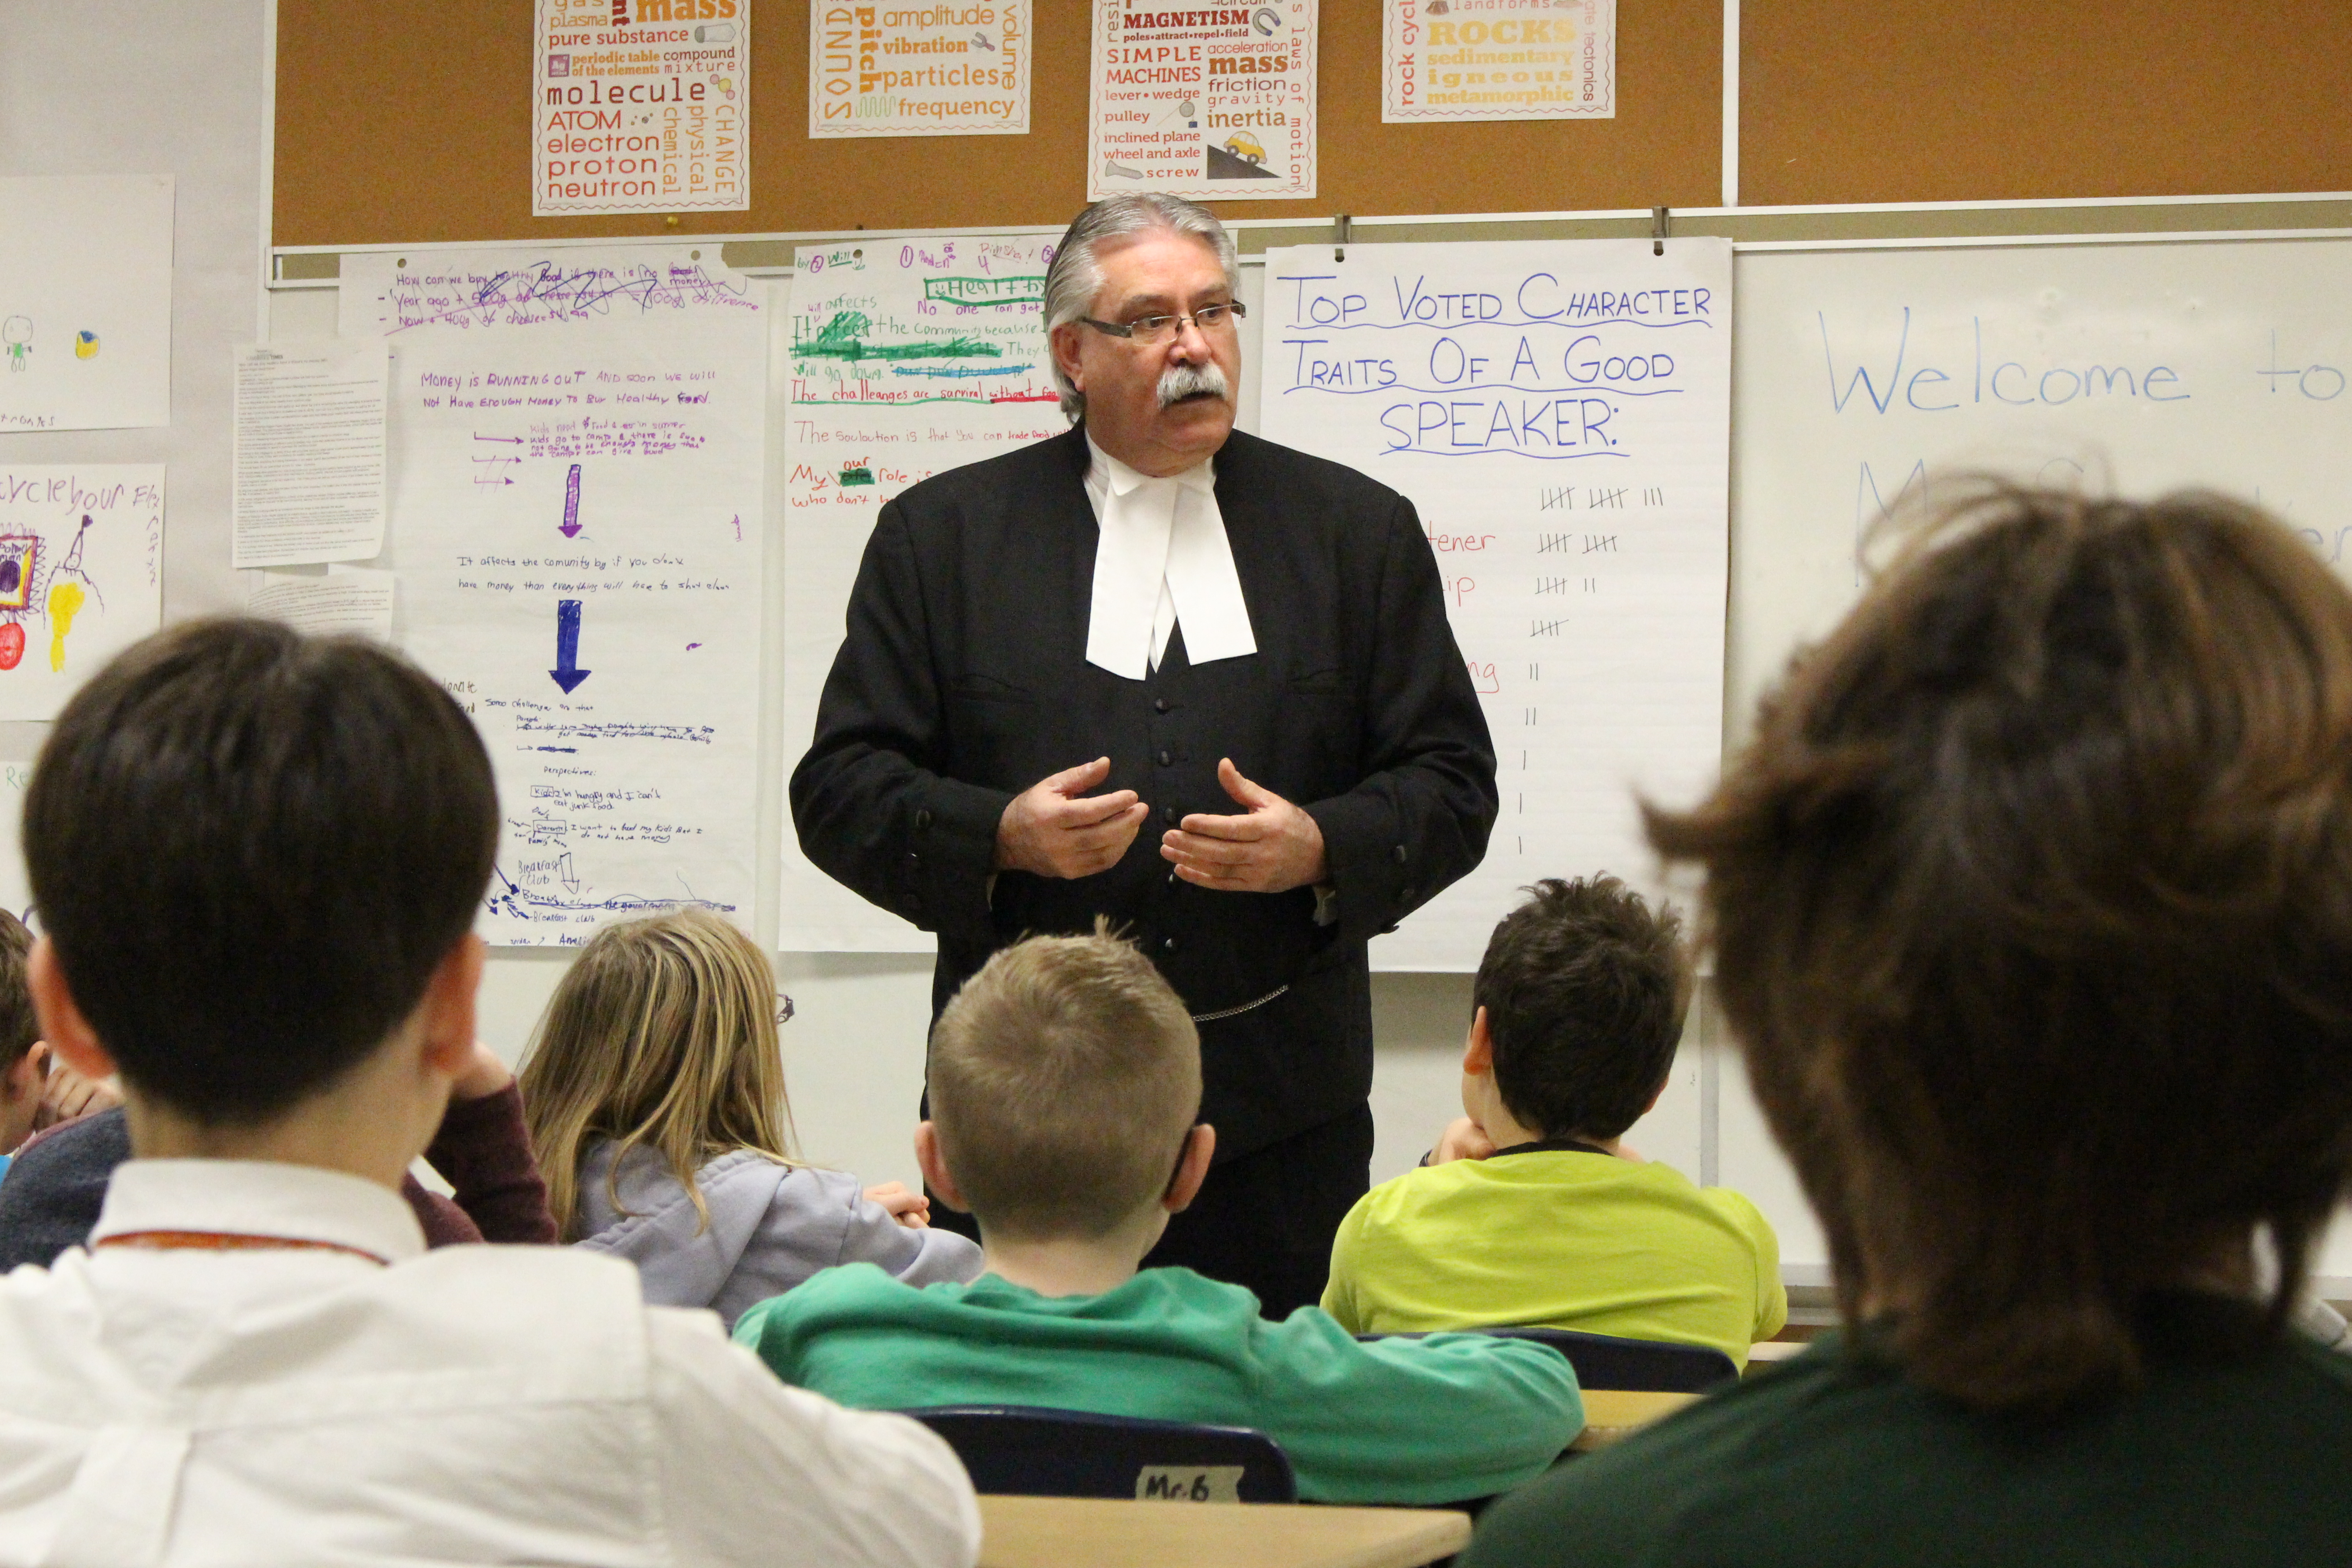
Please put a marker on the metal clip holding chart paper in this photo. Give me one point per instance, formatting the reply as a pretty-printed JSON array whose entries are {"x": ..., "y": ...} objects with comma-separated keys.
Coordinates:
[
  {"x": 1342, "y": 227},
  {"x": 1658, "y": 231}
]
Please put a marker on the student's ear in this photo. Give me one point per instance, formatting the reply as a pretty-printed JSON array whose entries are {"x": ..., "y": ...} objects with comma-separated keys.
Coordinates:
[
  {"x": 68, "y": 1033},
  {"x": 1191, "y": 1168},
  {"x": 1478, "y": 1054},
  {"x": 23, "y": 1079},
  {"x": 934, "y": 1164},
  {"x": 448, "y": 1006}
]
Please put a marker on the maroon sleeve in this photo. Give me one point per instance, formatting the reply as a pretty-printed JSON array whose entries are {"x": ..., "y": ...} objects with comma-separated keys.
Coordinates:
[
  {"x": 483, "y": 1151},
  {"x": 445, "y": 1224}
]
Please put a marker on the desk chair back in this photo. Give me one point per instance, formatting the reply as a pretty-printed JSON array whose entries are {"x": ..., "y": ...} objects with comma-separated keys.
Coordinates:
[{"x": 1026, "y": 1451}]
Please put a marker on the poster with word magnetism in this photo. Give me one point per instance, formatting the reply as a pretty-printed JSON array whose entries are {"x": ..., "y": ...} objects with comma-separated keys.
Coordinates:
[
  {"x": 1498, "y": 59},
  {"x": 906, "y": 358},
  {"x": 959, "y": 68},
  {"x": 1217, "y": 104},
  {"x": 1558, "y": 413},
  {"x": 641, "y": 106},
  {"x": 577, "y": 466}
]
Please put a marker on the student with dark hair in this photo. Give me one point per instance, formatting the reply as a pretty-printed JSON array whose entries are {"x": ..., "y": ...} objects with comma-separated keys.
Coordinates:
[
  {"x": 1531, "y": 1210},
  {"x": 36, "y": 1093},
  {"x": 259, "y": 859},
  {"x": 2031, "y": 903}
]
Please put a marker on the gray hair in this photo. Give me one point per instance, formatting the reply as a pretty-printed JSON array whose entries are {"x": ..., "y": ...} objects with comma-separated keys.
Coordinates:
[{"x": 1074, "y": 279}]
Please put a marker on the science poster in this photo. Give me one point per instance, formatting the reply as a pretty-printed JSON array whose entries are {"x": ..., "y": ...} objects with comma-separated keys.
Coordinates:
[
  {"x": 1215, "y": 104},
  {"x": 959, "y": 68},
  {"x": 1498, "y": 59},
  {"x": 641, "y": 106}
]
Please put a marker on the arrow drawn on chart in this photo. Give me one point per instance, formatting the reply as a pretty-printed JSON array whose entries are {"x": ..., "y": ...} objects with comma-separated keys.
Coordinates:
[
  {"x": 565, "y": 874},
  {"x": 567, "y": 671},
  {"x": 569, "y": 526},
  {"x": 510, "y": 440}
]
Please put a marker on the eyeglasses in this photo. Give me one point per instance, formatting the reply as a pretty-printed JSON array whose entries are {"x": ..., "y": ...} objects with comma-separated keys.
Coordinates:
[{"x": 1154, "y": 331}]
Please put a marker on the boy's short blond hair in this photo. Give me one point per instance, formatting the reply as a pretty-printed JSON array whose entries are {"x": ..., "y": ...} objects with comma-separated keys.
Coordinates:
[{"x": 1064, "y": 1077}]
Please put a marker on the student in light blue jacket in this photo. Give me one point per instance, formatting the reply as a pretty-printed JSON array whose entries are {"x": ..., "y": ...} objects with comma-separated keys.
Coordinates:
[{"x": 655, "y": 1098}]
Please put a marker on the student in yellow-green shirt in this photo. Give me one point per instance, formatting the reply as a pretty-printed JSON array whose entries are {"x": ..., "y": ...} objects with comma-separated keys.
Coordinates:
[{"x": 1529, "y": 1210}]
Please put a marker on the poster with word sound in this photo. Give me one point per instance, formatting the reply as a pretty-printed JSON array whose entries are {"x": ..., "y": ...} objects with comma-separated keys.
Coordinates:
[
  {"x": 641, "y": 106},
  {"x": 1217, "y": 104},
  {"x": 954, "y": 68},
  {"x": 577, "y": 462},
  {"x": 908, "y": 358},
  {"x": 1559, "y": 415},
  {"x": 81, "y": 575},
  {"x": 1498, "y": 59}
]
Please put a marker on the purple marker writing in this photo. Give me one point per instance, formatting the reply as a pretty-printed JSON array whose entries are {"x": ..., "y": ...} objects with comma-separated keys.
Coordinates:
[{"x": 572, "y": 504}]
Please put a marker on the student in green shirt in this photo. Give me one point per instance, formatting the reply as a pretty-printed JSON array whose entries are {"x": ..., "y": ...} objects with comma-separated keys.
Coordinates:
[
  {"x": 2031, "y": 902},
  {"x": 1530, "y": 1210},
  {"x": 1065, "y": 1078}
]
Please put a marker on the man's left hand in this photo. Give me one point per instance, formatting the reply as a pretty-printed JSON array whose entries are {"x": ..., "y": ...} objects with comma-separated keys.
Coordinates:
[{"x": 1272, "y": 848}]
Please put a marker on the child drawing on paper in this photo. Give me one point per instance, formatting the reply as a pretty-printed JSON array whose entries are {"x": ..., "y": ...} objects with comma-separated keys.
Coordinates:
[
  {"x": 16, "y": 334},
  {"x": 67, "y": 596}
]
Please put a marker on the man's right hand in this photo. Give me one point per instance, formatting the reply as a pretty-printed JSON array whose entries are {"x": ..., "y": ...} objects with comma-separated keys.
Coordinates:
[{"x": 1053, "y": 828}]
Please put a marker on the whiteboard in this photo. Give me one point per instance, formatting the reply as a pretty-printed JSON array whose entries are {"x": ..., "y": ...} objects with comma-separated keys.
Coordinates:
[{"x": 2137, "y": 367}]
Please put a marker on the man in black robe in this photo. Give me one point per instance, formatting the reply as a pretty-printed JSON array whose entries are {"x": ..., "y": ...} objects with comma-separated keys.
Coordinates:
[{"x": 1156, "y": 619}]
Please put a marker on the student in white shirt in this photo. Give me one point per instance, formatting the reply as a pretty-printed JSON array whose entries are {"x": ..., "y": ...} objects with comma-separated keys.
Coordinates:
[{"x": 258, "y": 859}]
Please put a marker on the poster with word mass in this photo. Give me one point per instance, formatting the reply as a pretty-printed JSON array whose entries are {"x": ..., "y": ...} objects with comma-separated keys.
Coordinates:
[
  {"x": 1498, "y": 59},
  {"x": 1214, "y": 104},
  {"x": 1559, "y": 415},
  {"x": 956, "y": 69},
  {"x": 641, "y": 106},
  {"x": 81, "y": 575},
  {"x": 86, "y": 302},
  {"x": 575, "y": 506},
  {"x": 906, "y": 358}
]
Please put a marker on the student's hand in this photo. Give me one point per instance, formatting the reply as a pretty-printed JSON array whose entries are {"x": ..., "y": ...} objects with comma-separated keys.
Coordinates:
[
  {"x": 1275, "y": 846},
  {"x": 912, "y": 1210},
  {"x": 1053, "y": 828},
  {"x": 1461, "y": 1139},
  {"x": 483, "y": 1076},
  {"x": 66, "y": 1096}
]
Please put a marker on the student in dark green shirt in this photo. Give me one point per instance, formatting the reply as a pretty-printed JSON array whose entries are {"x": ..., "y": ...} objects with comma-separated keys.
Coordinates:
[
  {"x": 1065, "y": 1078},
  {"x": 2032, "y": 907}
]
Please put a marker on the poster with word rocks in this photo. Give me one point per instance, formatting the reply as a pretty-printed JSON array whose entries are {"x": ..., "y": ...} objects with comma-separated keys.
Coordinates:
[
  {"x": 906, "y": 358},
  {"x": 953, "y": 69},
  {"x": 1498, "y": 59},
  {"x": 576, "y": 469},
  {"x": 641, "y": 106},
  {"x": 1559, "y": 415},
  {"x": 1214, "y": 104}
]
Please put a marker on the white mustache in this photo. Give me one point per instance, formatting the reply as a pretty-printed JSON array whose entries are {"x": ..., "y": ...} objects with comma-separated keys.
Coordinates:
[{"x": 1179, "y": 382}]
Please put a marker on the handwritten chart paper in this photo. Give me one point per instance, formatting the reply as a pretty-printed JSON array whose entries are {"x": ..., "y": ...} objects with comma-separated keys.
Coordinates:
[
  {"x": 946, "y": 69},
  {"x": 1215, "y": 104},
  {"x": 641, "y": 106},
  {"x": 85, "y": 303},
  {"x": 1560, "y": 413},
  {"x": 577, "y": 451},
  {"x": 907, "y": 359},
  {"x": 310, "y": 451},
  {"x": 15, "y": 882},
  {"x": 1498, "y": 59},
  {"x": 81, "y": 575}
]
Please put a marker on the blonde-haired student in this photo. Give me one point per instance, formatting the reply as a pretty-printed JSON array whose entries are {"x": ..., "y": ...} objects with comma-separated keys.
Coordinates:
[
  {"x": 655, "y": 1098},
  {"x": 1066, "y": 1088}
]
